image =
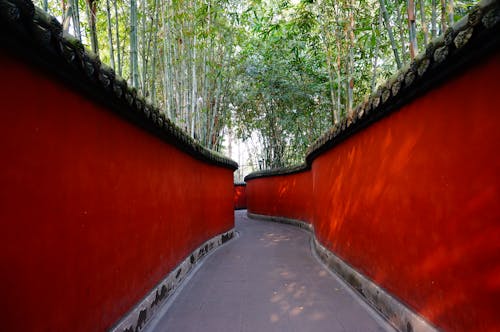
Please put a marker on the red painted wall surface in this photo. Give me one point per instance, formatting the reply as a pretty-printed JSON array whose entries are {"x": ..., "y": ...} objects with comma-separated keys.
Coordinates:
[
  {"x": 93, "y": 210},
  {"x": 240, "y": 197},
  {"x": 288, "y": 196},
  {"x": 413, "y": 202}
]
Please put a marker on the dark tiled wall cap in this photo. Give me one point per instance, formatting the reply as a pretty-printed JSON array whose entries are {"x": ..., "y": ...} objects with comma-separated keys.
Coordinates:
[
  {"x": 32, "y": 34},
  {"x": 277, "y": 171},
  {"x": 468, "y": 41}
]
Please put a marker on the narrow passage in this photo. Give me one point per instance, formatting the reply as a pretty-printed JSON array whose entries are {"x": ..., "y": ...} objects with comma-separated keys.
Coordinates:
[{"x": 267, "y": 279}]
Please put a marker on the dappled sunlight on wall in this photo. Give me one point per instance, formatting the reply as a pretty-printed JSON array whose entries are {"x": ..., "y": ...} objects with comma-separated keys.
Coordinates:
[
  {"x": 95, "y": 211},
  {"x": 412, "y": 201},
  {"x": 420, "y": 189}
]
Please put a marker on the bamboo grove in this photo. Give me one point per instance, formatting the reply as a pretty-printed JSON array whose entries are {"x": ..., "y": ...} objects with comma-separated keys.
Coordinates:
[{"x": 275, "y": 73}]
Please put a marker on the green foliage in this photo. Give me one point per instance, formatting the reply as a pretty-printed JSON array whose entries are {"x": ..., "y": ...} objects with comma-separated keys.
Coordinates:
[
  {"x": 279, "y": 70},
  {"x": 282, "y": 82}
]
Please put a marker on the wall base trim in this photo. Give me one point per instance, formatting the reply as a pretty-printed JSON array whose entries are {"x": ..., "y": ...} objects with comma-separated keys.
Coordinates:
[
  {"x": 392, "y": 310},
  {"x": 143, "y": 312}
]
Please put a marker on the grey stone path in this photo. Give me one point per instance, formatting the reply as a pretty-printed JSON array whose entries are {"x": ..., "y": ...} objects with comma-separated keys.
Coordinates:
[{"x": 267, "y": 279}]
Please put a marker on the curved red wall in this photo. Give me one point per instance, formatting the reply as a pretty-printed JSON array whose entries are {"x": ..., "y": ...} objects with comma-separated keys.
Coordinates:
[
  {"x": 288, "y": 196},
  {"x": 412, "y": 201},
  {"x": 240, "y": 197},
  {"x": 94, "y": 211}
]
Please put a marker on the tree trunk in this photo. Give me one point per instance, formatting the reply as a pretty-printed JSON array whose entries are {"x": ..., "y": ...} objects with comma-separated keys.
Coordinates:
[
  {"x": 451, "y": 12},
  {"x": 110, "y": 36},
  {"x": 338, "y": 66},
  {"x": 443, "y": 16},
  {"x": 412, "y": 29},
  {"x": 424, "y": 23},
  {"x": 134, "y": 75},
  {"x": 375, "y": 57},
  {"x": 143, "y": 50},
  {"x": 401, "y": 24},
  {"x": 390, "y": 33},
  {"x": 155, "y": 55},
  {"x": 117, "y": 33},
  {"x": 65, "y": 9},
  {"x": 194, "y": 82},
  {"x": 67, "y": 15},
  {"x": 230, "y": 141},
  {"x": 350, "y": 72},
  {"x": 329, "y": 64},
  {"x": 76, "y": 20},
  {"x": 334, "y": 114},
  {"x": 167, "y": 77},
  {"x": 91, "y": 13},
  {"x": 339, "y": 81},
  {"x": 434, "y": 19}
]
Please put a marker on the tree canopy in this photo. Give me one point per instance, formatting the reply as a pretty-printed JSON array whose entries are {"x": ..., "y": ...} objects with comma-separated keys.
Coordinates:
[{"x": 274, "y": 73}]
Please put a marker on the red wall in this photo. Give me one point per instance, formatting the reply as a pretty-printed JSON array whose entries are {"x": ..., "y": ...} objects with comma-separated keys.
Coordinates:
[
  {"x": 412, "y": 202},
  {"x": 240, "y": 197},
  {"x": 93, "y": 210},
  {"x": 288, "y": 196}
]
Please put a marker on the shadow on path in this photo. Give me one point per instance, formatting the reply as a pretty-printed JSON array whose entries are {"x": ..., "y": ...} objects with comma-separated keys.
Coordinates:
[{"x": 266, "y": 280}]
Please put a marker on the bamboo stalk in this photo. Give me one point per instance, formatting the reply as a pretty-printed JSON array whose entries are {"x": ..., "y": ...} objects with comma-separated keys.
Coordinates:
[
  {"x": 390, "y": 33},
  {"x": 110, "y": 36}
]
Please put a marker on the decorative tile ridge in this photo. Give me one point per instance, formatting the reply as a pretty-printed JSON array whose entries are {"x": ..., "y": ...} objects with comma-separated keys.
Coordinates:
[
  {"x": 277, "y": 171},
  {"x": 467, "y": 42},
  {"x": 32, "y": 34},
  {"x": 240, "y": 184}
]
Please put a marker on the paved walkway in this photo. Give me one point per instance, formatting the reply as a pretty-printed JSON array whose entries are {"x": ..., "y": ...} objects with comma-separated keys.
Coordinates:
[{"x": 266, "y": 280}]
